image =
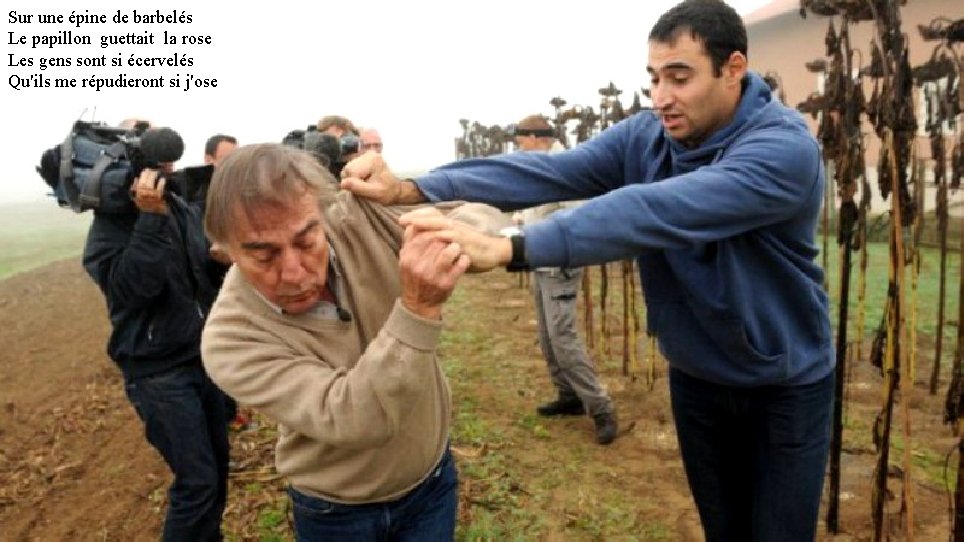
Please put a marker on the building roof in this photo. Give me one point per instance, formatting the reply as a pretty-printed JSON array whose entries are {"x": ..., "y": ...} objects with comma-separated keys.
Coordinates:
[{"x": 771, "y": 10}]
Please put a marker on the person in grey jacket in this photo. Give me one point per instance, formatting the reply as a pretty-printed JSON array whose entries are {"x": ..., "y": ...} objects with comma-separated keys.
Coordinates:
[{"x": 555, "y": 290}]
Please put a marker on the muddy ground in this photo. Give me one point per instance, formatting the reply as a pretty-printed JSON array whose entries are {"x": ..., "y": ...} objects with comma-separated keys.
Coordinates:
[{"x": 74, "y": 464}]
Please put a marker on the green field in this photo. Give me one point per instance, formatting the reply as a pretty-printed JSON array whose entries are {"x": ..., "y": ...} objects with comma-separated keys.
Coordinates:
[
  {"x": 37, "y": 233},
  {"x": 876, "y": 290}
]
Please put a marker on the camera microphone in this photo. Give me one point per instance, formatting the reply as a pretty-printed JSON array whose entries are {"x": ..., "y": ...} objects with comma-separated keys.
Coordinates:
[{"x": 161, "y": 145}]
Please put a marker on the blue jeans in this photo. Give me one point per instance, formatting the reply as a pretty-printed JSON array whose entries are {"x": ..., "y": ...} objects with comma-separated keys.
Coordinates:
[
  {"x": 183, "y": 415},
  {"x": 427, "y": 513},
  {"x": 754, "y": 457}
]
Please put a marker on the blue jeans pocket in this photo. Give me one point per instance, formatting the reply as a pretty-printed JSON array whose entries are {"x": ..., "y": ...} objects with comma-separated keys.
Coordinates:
[
  {"x": 441, "y": 481},
  {"x": 313, "y": 506}
]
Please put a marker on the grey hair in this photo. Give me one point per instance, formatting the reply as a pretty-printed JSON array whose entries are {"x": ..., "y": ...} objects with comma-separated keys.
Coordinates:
[{"x": 258, "y": 176}]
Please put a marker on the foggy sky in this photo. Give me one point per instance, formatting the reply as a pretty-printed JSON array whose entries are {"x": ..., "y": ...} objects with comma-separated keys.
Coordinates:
[{"x": 410, "y": 69}]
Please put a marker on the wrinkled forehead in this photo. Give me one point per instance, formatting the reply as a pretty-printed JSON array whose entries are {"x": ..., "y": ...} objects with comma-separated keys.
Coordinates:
[{"x": 276, "y": 218}]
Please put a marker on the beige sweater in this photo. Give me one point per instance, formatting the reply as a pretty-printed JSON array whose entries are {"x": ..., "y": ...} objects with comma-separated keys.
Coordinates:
[{"x": 363, "y": 406}]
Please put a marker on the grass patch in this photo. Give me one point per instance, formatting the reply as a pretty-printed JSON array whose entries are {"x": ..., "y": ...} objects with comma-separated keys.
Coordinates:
[
  {"x": 609, "y": 518},
  {"x": 928, "y": 289},
  {"x": 273, "y": 522},
  {"x": 35, "y": 234},
  {"x": 533, "y": 425},
  {"x": 932, "y": 466}
]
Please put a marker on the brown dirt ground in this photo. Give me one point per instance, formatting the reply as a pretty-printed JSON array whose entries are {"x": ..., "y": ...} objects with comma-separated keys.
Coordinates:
[{"x": 74, "y": 464}]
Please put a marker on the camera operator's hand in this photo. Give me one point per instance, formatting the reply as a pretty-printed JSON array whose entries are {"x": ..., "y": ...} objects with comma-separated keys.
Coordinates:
[
  {"x": 148, "y": 192},
  {"x": 368, "y": 176}
]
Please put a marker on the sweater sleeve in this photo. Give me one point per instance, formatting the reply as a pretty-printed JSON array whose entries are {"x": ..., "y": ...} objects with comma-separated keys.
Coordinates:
[
  {"x": 523, "y": 179},
  {"x": 357, "y": 408},
  {"x": 766, "y": 178}
]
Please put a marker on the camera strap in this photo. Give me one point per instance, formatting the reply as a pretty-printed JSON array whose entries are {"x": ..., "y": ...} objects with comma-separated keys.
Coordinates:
[
  {"x": 67, "y": 172},
  {"x": 90, "y": 195}
]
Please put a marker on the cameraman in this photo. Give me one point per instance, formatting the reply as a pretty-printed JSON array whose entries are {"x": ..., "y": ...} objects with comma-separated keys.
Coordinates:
[
  {"x": 347, "y": 134},
  {"x": 152, "y": 266}
]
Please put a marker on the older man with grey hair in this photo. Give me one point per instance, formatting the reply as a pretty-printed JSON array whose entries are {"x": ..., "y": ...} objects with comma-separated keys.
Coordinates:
[
  {"x": 329, "y": 325},
  {"x": 371, "y": 140}
]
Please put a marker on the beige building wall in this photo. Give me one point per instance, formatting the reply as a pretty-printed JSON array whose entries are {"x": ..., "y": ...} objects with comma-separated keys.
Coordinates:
[{"x": 781, "y": 41}]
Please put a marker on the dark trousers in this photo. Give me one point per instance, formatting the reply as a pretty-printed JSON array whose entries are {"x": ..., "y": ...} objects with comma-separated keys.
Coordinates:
[
  {"x": 183, "y": 415},
  {"x": 754, "y": 457},
  {"x": 230, "y": 408},
  {"x": 427, "y": 513}
]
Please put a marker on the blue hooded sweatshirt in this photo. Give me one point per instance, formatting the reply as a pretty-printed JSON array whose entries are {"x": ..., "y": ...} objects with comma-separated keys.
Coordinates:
[{"x": 723, "y": 233}]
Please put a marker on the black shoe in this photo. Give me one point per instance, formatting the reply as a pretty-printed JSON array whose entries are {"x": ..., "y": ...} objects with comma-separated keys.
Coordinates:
[
  {"x": 605, "y": 427},
  {"x": 562, "y": 407}
]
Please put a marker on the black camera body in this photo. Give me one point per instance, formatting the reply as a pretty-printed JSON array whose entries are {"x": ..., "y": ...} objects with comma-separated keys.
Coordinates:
[
  {"x": 326, "y": 148},
  {"x": 192, "y": 183},
  {"x": 95, "y": 165},
  {"x": 350, "y": 144},
  {"x": 296, "y": 138}
]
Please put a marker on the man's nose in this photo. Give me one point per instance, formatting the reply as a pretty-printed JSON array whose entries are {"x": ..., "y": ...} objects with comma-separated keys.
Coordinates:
[
  {"x": 662, "y": 96},
  {"x": 292, "y": 269}
]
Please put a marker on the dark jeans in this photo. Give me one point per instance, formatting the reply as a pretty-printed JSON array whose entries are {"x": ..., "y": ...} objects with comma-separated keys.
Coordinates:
[
  {"x": 754, "y": 457},
  {"x": 183, "y": 415},
  {"x": 230, "y": 408},
  {"x": 427, "y": 513}
]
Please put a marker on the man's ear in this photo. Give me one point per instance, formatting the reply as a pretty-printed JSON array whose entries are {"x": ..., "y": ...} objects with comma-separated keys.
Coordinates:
[
  {"x": 220, "y": 253},
  {"x": 735, "y": 68}
]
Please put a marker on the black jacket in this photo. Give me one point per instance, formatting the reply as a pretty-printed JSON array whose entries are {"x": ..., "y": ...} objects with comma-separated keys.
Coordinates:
[{"x": 155, "y": 272}]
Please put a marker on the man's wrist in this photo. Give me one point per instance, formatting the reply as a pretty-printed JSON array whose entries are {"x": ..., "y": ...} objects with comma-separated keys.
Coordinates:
[
  {"x": 512, "y": 249},
  {"x": 504, "y": 254},
  {"x": 428, "y": 312},
  {"x": 408, "y": 192}
]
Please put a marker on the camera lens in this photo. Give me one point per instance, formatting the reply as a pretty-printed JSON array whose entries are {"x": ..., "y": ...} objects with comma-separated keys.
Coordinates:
[{"x": 349, "y": 144}]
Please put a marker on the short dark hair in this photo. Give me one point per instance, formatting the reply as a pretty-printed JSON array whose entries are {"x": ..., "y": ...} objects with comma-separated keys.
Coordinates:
[
  {"x": 211, "y": 146},
  {"x": 712, "y": 22}
]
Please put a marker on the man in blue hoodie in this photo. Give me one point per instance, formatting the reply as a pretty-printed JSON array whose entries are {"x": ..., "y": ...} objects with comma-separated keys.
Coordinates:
[{"x": 716, "y": 193}]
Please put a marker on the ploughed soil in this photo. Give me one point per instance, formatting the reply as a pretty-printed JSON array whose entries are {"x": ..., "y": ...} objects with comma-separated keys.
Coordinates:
[{"x": 74, "y": 464}]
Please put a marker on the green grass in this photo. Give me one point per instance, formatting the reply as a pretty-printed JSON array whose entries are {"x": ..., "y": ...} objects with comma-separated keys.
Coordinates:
[
  {"x": 877, "y": 283},
  {"x": 273, "y": 522},
  {"x": 35, "y": 234},
  {"x": 513, "y": 495},
  {"x": 928, "y": 464}
]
